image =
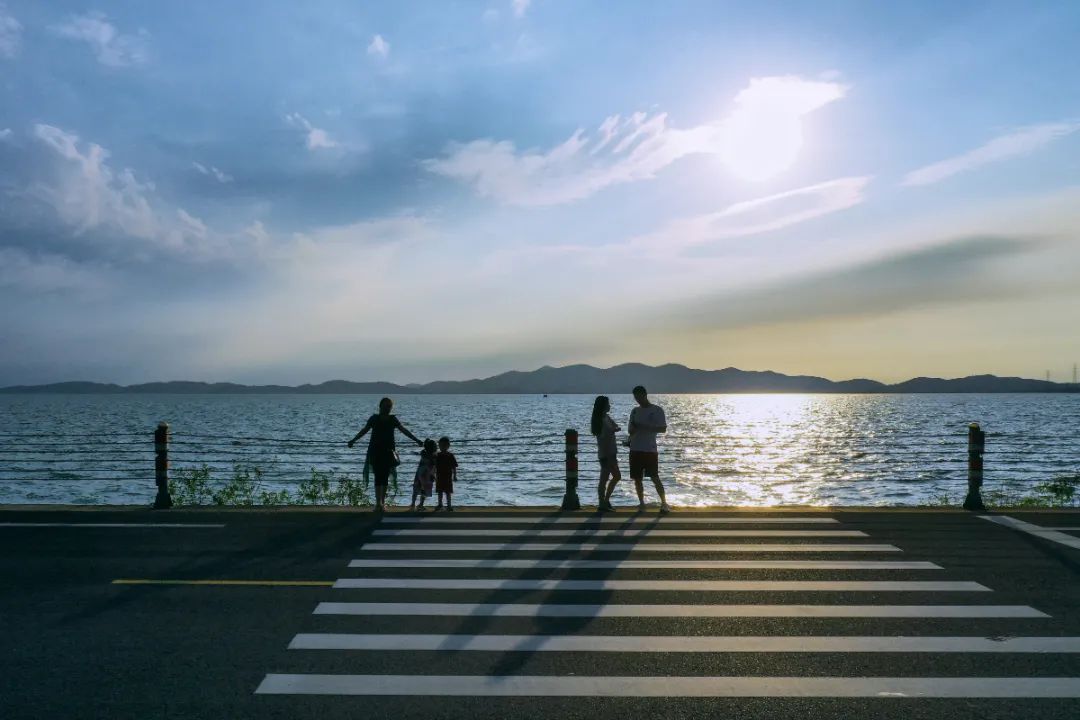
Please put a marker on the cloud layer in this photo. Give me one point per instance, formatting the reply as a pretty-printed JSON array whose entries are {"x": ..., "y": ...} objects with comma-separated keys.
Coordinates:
[
  {"x": 110, "y": 46},
  {"x": 762, "y": 215},
  {"x": 378, "y": 48},
  {"x": 88, "y": 194},
  {"x": 1015, "y": 144},
  {"x": 315, "y": 138},
  {"x": 10, "y": 34},
  {"x": 764, "y": 127},
  {"x": 957, "y": 270}
]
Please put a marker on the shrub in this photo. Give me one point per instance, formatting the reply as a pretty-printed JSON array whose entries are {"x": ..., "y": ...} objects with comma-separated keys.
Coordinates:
[{"x": 191, "y": 486}]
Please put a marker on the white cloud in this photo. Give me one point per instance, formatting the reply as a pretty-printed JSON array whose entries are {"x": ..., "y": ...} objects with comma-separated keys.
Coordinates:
[
  {"x": 761, "y": 215},
  {"x": 316, "y": 138},
  {"x": 193, "y": 224},
  {"x": 258, "y": 234},
  {"x": 568, "y": 172},
  {"x": 89, "y": 194},
  {"x": 5, "y": 133},
  {"x": 1021, "y": 142},
  {"x": 10, "y": 34},
  {"x": 213, "y": 172},
  {"x": 318, "y": 295},
  {"x": 378, "y": 47},
  {"x": 764, "y": 128},
  {"x": 46, "y": 272},
  {"x": 520, "y": 7},
  {"x": 111, "y": 47}
]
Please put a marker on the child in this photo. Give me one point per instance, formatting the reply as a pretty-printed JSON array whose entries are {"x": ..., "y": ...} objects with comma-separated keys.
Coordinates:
[
  {"x": 425, "y": 474},
  {"x": 445, "y": 473}
]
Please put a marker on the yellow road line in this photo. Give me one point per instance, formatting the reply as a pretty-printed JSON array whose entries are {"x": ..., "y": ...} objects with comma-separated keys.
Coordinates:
[{"x": 274, "y": 583}]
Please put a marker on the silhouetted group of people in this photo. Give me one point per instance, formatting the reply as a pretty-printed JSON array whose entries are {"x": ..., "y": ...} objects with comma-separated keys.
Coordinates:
[
  {"x": 437, "y": 468},
  {"x": 647, "y": 420}
]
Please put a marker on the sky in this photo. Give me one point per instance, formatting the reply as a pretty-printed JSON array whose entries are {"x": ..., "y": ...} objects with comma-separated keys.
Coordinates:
[{"x": 296, "y": 192}]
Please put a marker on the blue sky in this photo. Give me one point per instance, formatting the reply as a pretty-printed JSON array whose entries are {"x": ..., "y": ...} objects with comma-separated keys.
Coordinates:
[{"x": 409, "y": 191}]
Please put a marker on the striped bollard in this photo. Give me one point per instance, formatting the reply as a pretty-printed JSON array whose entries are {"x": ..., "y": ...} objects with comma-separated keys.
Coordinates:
[
  {"x": 570, "y": 500},
  {"x": 976, "y": 447},
  {"x": 163, "y": 501}
]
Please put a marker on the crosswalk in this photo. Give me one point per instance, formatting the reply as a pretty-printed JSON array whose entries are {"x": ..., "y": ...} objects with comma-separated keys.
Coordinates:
[{"x": 530, "y": 605}]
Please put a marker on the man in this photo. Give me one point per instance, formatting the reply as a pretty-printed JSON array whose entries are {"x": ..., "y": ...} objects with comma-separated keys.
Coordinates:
[{"x": 646, "y": 420}]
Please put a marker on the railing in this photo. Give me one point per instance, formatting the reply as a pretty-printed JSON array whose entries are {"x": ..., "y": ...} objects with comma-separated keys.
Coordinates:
[{"x": 125, "y": 466}]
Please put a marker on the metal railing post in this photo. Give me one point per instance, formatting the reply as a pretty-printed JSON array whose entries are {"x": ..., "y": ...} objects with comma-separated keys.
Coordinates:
[
  {"x": 570, "y": 499},
  {"x": 163, "y": 501},
  {"x": 976, "y": 447}
]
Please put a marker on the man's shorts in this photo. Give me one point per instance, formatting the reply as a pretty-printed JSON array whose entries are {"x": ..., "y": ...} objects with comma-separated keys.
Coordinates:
[{"x": 644, "y": 463}]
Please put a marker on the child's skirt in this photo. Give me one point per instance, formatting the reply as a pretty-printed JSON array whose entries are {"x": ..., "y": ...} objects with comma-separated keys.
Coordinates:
[{"x": 422, "y": 482}]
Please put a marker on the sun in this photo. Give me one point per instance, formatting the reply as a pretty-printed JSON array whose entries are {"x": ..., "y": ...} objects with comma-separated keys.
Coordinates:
[
  {"x": 762, "y": 138},
  {"x": 761, "y": 146}
]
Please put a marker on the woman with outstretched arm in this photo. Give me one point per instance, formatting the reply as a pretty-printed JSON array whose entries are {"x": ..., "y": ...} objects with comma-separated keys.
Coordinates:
[{"x": 381, "y": 453}]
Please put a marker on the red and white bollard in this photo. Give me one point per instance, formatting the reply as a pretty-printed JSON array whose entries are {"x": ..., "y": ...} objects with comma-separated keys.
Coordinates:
[
  {"x": 163, "y": 501},
  {"x": 976, "y": 447},
  {"x": 570, "y": 499}
]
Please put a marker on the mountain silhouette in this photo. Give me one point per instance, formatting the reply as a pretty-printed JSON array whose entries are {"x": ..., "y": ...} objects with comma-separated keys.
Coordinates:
[{"x": 585, "y": 379}]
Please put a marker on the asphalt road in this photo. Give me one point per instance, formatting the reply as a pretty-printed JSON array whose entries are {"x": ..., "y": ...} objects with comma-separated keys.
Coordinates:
[{"x": 77, "y": 644}]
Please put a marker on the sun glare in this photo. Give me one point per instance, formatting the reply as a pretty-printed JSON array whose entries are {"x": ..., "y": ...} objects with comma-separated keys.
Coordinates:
[
  {"x": 760, "y": 146},
  {"x": 763, "y": 136}
]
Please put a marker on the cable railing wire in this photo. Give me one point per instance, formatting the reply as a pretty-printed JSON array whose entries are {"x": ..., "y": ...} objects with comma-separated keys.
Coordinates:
[{"x": 125, "y": 459}]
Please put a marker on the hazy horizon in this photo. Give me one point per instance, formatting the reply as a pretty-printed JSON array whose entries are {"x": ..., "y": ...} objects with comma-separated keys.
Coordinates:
[
  {"x": 273, "y": 194},
  {"x": 422, "y": 381}
]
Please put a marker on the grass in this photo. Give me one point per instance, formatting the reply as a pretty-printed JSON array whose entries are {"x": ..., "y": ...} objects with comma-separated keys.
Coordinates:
[
  {"x": 1061, "y": 492},
  {"x": 198, "y": 486}
]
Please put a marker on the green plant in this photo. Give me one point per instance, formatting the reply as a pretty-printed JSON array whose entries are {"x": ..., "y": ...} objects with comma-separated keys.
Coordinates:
[
  {"x": 329, "y": 488},
  {"x": 241, "y": 489},
  {"x": 314, "y": 490},
  {"x": 349, "y": 491},
  {"x": 196, "y": 486},
  {"x": 1059, "y": 492},
  {"x": 941, "y": 499},
  {"x": 1061, "y": 489},
  {"x": 279, "y": 497},
  {"x": 191, "y": 486}
]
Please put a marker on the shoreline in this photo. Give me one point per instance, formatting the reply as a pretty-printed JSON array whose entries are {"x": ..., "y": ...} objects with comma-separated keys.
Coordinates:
[{"x": 627, "y": 511}]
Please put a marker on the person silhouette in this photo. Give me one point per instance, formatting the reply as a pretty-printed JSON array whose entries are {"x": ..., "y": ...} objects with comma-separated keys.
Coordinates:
[
  {"x": 381, "y": 454},
  {"x": 607, "y": 451},
  {"x": 646, "y": 420}
]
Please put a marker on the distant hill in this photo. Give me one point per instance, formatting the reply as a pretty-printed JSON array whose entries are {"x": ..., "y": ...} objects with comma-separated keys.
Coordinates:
[{"x": 584, "y": 379}]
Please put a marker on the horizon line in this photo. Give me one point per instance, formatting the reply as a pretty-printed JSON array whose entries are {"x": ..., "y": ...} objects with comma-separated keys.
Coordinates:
[{"x": 407, "y": 386}]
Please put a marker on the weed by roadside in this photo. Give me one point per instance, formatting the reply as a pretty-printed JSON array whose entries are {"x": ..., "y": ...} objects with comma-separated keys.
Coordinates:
[{"x": 197, "y": 486}]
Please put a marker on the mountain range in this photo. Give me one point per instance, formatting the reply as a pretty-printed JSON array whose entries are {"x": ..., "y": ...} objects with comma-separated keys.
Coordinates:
[{"x": 585, "y": 379}]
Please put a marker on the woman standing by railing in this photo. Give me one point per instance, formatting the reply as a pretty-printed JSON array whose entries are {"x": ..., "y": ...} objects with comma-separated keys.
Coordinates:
[
  {"x": 607, "y": 450},
  {"x": 381, "y": 453}
]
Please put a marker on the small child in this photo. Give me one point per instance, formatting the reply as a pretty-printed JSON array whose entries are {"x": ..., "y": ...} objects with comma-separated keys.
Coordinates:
[
  {"x": 425, "y": 475},
  {"x": 445, "y": 473}
]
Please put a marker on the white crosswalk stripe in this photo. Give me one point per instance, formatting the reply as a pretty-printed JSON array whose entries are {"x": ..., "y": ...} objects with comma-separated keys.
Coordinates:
[
  {"x": 683, "y": 643},
  {"x": 628, "y": 533},
  {"x": 601, "y": 686},
  {"x": 630, "y": 547},
  {"x": 502, "y": 564},
  {"x": 632, "y": 611},
  {"x": 675, "y": 519},
  {"x": 422, "y": 556},
  {"x": 661, "y": 585}
]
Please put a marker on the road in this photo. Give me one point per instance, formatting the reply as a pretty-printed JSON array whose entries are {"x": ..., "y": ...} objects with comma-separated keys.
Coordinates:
[{"x": 493, "y": 614}]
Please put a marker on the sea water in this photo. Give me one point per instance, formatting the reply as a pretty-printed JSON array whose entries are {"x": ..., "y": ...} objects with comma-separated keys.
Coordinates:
[{"x": 719, "y": 449}]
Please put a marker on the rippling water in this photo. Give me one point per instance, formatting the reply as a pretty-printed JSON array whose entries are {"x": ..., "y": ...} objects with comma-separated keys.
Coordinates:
[{"x": 720, "y": 449}]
